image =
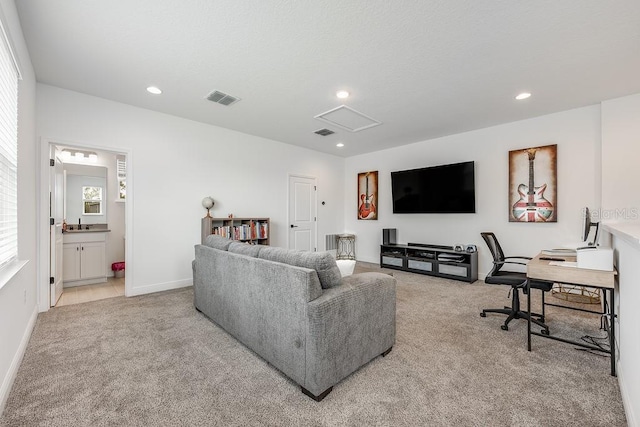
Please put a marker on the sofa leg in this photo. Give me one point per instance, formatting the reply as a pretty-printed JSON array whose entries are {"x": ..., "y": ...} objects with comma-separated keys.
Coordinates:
[
  {"x": 319, "y": 397},
  {"x": 387, "y": 351}
]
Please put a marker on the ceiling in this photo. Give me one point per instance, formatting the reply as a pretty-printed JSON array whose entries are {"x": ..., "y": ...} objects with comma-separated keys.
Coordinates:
[{"x": 423, "y": 68}]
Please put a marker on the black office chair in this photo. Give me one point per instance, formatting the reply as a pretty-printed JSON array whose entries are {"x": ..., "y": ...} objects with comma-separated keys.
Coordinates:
[{"x": 517, "y": 280}]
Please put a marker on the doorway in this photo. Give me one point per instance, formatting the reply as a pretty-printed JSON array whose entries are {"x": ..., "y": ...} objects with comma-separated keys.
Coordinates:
[
  {"x": 101, "y": 216},
  {"x": 302, "y": 213}
]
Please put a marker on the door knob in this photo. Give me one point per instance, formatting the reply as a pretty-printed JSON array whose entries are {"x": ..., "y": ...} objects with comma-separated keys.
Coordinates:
[{"x": 293, "y": 226}]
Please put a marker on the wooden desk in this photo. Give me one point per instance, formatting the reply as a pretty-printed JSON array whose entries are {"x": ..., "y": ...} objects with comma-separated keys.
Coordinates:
[{"x": 605, "y": 280}]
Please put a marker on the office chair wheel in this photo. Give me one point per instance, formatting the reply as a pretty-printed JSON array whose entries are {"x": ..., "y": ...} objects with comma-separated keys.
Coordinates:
[
  {"x": 483, "y": 314},
  {"x": 544, "y": 332},
  {"x": 504, "y": 327}
]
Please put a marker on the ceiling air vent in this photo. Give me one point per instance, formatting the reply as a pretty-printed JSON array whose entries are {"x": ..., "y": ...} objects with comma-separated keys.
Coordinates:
[
  {"x": 323, "y": 132},
  {"x": 222, "y": 98}
]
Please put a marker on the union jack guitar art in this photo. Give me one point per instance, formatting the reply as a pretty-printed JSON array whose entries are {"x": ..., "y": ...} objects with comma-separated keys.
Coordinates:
[{"x": 532, "y": 205}]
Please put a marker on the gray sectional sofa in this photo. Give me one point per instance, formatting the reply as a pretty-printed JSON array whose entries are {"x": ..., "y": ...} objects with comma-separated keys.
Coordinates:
[{"x": 295, "y": 310}]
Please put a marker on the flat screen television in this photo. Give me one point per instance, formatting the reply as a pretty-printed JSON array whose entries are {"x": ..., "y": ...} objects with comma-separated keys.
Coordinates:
[{"x": 436, "y": 189}]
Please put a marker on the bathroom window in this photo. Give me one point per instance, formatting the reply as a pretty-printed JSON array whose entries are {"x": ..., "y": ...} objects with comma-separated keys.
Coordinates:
[
  {"x": 92, "y": 200},
  {"x": 121, "y": 172}
]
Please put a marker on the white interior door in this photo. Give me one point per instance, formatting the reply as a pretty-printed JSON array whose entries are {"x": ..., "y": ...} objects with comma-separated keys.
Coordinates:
[
  {"x": 55, "y": 239},
  {"x": 302, "y": 213}
]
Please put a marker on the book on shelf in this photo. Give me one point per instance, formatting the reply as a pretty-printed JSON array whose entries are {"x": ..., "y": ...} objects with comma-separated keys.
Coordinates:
[{"x": 252, "y": 231}]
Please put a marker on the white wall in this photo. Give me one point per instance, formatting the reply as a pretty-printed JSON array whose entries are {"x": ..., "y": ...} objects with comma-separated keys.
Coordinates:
[
  {"x": 628, "y": 335},
  {"x": 18, "y": 309},
  {"x": 620, "y": 154},
  {"x": 621, "y": 204},
  {"x": 175, "y": 163},
  {"x": 577, "y": 134}
]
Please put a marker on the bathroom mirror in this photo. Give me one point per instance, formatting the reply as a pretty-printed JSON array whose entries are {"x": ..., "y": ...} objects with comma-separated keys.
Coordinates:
[{"x": 85, "y": 194}]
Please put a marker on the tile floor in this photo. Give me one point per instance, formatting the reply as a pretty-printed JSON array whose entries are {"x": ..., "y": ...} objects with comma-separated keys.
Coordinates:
[{"x": 113, "y": 287}]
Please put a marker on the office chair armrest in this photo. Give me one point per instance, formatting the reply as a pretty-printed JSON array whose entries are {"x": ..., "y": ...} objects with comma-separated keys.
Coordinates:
[
  {"x": 520, "y": 257},
  {"x": 508, "y": 262}
]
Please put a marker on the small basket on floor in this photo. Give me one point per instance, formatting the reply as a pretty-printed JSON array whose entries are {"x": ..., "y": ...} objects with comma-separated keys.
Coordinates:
[{"x": 118, "y": 269}]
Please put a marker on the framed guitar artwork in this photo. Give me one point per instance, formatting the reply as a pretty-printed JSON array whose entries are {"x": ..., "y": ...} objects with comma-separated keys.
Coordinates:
[
  {"x": 533, "y": 184},
  {"x": 368, "y": 195}
]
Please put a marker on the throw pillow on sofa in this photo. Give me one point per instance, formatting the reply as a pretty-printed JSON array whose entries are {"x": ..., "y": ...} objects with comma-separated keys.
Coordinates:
[
  {"x": 245, "y": 249},
  {"x": 322, "y": 262}
]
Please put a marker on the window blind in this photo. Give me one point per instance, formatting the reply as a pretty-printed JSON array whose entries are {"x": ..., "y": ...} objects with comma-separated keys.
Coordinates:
[{"x": 8, "y": 154}]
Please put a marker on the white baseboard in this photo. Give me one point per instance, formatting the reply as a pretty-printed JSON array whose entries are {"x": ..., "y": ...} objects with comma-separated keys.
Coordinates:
[
  {"x": 7, "y": 383},
  {"x": 159, "y": 287},
  {"x": 632, "y": 420}
]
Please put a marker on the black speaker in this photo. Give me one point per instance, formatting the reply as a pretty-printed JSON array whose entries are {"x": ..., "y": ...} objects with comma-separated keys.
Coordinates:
[{"x": 388, "y": 236}]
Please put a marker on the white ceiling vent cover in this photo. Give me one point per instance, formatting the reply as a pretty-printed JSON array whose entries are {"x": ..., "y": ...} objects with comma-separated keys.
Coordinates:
[
  {"x": 222, "y": 98},
  {"x": 348, "y": 118}
]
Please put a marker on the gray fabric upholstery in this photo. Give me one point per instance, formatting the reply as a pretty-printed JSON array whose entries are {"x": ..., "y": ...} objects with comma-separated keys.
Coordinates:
[
  {"x": 245, "y": 249},
  {"x": 315, "y": 336},
  {"x": 322, "y": 262},
  {"x": 348, "y": 326},
  {"x": 217, "y": 242}
]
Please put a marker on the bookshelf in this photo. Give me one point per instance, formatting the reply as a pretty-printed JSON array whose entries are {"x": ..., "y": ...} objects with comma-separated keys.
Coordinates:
[{"x": 251, "y": 230}]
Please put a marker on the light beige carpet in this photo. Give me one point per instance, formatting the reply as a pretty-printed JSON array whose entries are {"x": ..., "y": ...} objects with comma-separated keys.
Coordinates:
[{"x": 154, "y": 360}]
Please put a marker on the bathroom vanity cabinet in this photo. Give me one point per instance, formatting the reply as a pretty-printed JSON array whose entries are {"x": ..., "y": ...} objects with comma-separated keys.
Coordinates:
[{"x": 84, "y": 258}]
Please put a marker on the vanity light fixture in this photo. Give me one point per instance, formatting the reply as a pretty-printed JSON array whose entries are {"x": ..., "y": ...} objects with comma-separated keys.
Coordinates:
[
  {"x": 79, "y": 156},
  {"x": 154, "y": 90},
  {"x": 339, "y": 145},
  {"x": 523, "y": 95},
  {"x": 342, "y": 94}
]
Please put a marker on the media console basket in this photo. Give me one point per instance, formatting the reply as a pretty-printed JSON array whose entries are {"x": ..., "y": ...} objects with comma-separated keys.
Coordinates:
[{"x": 434, "y": 260}]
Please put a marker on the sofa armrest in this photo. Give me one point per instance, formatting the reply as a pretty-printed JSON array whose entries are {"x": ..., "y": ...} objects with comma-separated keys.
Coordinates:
[{"x": 348, "y": 326}]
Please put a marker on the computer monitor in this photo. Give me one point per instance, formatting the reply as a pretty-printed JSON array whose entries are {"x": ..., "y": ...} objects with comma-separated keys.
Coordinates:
[{"x": 586, "y": 228}]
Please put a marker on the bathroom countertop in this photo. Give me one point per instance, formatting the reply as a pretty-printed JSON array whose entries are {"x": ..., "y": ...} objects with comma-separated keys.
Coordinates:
[{"x": 91, "y": 230}]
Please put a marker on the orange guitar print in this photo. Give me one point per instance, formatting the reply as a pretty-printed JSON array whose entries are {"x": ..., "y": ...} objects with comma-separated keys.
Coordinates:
[
  {"x": 367, "y": 208},
  {"x": 532, "y": 206}
]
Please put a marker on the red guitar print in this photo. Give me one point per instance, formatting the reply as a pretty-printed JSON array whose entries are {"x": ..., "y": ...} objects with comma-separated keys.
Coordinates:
[
  {"x": 532, "y": 206},
  {"x": 367, "y": 207}
]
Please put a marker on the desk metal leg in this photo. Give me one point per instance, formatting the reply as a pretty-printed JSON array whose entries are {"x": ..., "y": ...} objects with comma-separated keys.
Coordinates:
[
  {"x": 529, "y": 317},
  {"x": 612, "y": 332}
]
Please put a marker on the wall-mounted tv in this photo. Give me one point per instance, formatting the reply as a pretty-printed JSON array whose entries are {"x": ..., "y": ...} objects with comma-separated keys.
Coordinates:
[{"x": 436, "y": 189}]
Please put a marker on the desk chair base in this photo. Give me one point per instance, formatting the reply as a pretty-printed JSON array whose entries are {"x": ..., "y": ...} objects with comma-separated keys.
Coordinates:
[{"x": 514, "y": 312}]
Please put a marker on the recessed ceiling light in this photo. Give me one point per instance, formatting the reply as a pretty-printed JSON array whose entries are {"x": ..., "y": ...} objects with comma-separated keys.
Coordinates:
[
  {"x": 342, "y": 94},
  {"x": 340, "y": 145},
  {"x": 154, "y": 90},
  {"x": 523, "y": 95}
]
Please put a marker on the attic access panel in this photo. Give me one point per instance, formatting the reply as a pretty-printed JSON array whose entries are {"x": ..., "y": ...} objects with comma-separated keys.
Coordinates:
[{"x": 347, "y": 118}]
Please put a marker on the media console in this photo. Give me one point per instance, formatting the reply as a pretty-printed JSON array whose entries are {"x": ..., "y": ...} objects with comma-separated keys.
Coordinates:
[{"x": 434, "y": 260}]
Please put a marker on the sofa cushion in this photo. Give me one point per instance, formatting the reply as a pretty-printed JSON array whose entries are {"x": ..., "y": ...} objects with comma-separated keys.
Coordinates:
[
  {"x": 322, "y": 262},
  {"x": 245, "y": 249},
  {"x": 217, "y": 242}
]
